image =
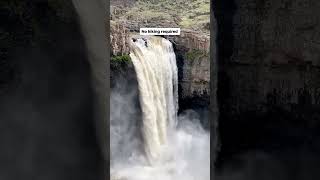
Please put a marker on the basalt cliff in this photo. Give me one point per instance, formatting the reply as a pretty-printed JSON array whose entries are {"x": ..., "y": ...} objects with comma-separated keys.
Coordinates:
[{"x": 191, "y": 47}]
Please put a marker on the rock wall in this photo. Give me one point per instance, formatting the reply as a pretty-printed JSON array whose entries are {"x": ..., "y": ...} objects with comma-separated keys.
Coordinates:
[
  {"x": 194, "y": 72},
  {"x": 189, "y": 40},
  {"x": 269, "y": 55},
  {"x": 46, "y": 94},
  {"x": 193, "y": 59},
  {"x": 119, "y": 36}
]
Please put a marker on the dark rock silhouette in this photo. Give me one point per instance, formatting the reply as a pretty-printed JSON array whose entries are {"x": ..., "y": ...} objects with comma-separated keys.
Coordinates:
[
  {"x": 268, "y": 59},
  {"x": 46, "y": 95}
]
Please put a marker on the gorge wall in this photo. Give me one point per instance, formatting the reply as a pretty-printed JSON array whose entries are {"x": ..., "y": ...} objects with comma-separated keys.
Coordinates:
[
  {"x": 192, "y": 51},
  {"x": 268, "y": 85},
  {"x": 193, "y": 59},
  {"x": 47, "y": 99},
  {"x": 196, "y": 60}
]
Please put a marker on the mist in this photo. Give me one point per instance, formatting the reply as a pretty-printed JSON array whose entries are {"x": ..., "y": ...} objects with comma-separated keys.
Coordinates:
[{"x": 187, "y": 155}]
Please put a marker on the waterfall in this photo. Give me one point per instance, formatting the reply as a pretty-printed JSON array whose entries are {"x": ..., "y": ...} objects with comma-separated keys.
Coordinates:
[
  {"x": 174, "y": 152},
  {"x": 171, "y": 147},
  {"x": 155, "y": 65}
]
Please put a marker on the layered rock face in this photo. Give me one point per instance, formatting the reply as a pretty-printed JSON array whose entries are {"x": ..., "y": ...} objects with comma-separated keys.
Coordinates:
[
  {"x": 191, "y": 47},
  {"x": 269, "y": 87},
  {"x": 192, "y": 51},
  {"x": 119, "y": 36},
  {"x": 122, "y": 3},
  {"x": 193, "y": 57}
]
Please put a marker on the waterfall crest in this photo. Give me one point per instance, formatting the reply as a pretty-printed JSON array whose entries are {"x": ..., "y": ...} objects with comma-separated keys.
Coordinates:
[{"x": 155, "y": 64}]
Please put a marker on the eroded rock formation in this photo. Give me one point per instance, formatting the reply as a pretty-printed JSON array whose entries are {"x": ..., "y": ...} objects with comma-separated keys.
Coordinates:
[
  {"x": 119, "y": 36},
  {"x": 192, "y": 51},
  {"x": 46, "y": 94},
  {"x": 269, "y": 57}
]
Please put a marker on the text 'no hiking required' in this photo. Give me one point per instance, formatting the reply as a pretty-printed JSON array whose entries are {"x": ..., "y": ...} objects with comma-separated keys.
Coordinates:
[{"x": 159, "y": 31}]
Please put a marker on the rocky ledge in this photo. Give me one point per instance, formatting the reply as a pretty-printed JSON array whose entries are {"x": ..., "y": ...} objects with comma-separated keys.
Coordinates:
[{"x": 192, "y": 51}]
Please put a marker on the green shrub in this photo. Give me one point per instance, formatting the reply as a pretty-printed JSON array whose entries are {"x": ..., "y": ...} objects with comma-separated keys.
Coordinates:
[
  {"x": 120, "y": 61},
  {"x": 195, "y": 54},
  {"x": 121, "y": 58}
]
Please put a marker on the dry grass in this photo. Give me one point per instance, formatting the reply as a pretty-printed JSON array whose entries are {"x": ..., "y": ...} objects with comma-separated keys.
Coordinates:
[{"x": 193, "y": 14}]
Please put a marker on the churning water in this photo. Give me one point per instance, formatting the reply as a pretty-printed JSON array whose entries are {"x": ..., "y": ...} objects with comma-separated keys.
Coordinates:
[
  {"x": 171, "y": 147},
  {"x": 156, "y": 69}
]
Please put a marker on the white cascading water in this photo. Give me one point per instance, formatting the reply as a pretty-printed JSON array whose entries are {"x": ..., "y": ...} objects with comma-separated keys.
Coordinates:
[
  {"x": 169, "y": 151},
  {"x": 181, "y": 152},
  {"x": 155, "y": 65}
]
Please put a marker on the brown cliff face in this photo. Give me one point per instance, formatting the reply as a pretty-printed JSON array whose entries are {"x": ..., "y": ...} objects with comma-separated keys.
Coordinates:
[
  {"x": 192, "y": 50},
  {"x": 191, "y": 40},
  {"x": 119, "y": 36},
  {"x": 193, "y": 19}
]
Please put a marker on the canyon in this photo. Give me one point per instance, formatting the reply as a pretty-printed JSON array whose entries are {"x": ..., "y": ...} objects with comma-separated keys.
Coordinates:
[
  {"x": 265, "y": 72},
  {"x": 192, "y": 50}
]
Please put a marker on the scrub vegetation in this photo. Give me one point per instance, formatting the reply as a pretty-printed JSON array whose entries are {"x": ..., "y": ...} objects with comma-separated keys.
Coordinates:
[
  {"x": 183, "y": 13},
  {"x": 195, "y": 54}
]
